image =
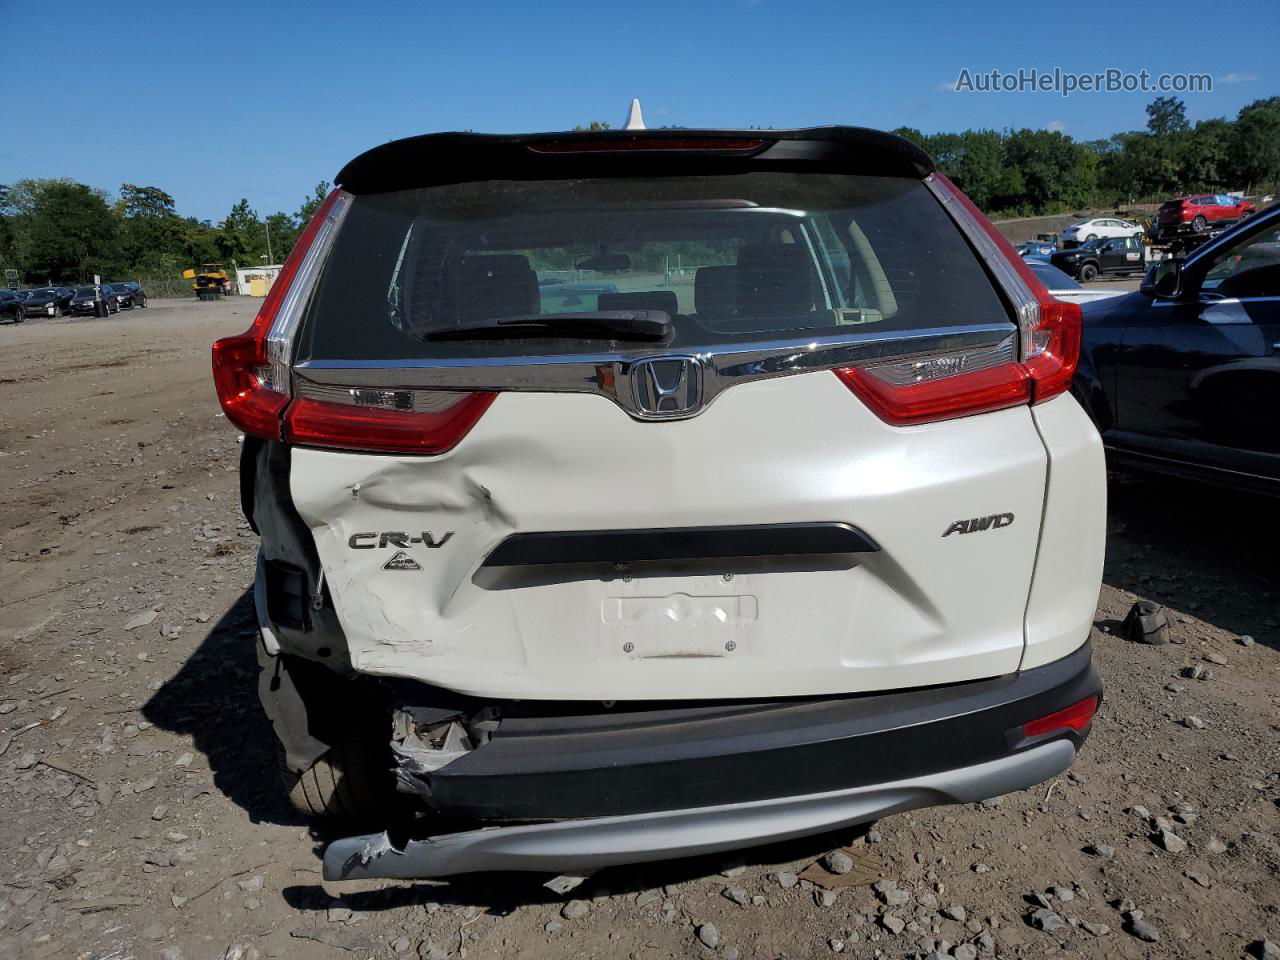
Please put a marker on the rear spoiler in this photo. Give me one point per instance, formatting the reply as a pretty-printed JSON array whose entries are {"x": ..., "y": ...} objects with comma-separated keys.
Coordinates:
[{"x": 441, "y": 158}]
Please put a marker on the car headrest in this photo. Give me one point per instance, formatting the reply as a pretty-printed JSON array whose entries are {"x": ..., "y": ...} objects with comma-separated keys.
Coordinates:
[
  {"x": 774, "y": 280},
  {"x": 664, "y": 300},
  {"x": 496, "y": 285},
  {"x": 715, "y": 291}
]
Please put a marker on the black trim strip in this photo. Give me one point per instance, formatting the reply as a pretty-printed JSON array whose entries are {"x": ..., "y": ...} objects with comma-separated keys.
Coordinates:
[
  {"x": 592, "y": 765},
  {"x": 680, "y": 543}
]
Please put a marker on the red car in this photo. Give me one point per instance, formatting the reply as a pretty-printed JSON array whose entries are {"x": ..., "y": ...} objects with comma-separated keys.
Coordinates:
[{"x": 1198, "y": 214}]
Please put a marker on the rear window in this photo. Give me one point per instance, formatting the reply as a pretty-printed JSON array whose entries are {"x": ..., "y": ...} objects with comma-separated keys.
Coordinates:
[{"x": 733, "y": 259}]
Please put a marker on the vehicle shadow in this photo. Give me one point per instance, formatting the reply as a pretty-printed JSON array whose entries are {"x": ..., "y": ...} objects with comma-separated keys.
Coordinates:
[
  {"x": 213, "y": 698},
  {"x": 502, "y": 893},
  {"x": 1200, "y": 550}
]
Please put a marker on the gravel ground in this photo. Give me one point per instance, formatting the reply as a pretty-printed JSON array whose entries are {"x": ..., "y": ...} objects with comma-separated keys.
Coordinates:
[{"x": 142, "y": 819}]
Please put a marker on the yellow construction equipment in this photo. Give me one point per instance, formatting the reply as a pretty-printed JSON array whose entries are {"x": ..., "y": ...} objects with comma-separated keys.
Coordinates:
[{"x": 209, "y": 282}]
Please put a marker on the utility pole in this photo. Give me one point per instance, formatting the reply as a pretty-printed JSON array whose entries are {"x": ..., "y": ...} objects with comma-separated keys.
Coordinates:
[{"x": 267, "y": 224}]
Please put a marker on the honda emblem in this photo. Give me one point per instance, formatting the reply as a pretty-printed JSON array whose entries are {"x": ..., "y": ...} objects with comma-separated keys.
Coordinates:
[{"x": 667, "y": 388}]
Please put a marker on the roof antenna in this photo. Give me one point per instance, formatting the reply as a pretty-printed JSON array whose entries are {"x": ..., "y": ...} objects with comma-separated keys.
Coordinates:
[{"x": 635, "y": 119}]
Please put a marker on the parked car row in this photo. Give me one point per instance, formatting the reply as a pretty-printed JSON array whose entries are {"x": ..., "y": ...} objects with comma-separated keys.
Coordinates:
[{"x": 55, "y": 301}]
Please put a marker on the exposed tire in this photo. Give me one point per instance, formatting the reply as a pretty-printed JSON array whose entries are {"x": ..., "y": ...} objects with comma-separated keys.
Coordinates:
[
  {"x": 342, "y": 759},
  {"x": 1198, "y": 224},
  {"x": 1088, "y": 272},
  {"x": 1092, "y": 236},
  {"x": 344, "y": 783}
]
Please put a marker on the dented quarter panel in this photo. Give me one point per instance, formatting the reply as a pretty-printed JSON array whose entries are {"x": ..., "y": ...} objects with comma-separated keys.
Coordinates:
[{"x": 795, "y": 449}]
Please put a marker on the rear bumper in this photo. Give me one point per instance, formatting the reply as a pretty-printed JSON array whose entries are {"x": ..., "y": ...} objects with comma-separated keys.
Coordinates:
[
  {"x": 617, "y": 788},
  {"x": 578, "y": 846}
]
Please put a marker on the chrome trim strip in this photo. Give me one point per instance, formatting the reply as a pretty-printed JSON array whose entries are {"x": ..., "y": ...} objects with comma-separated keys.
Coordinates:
[
  {"x": 609, "y": 374},
  {"x": 1025, "y": 304},
  {"x": 570, "y": 846},
  {"x": 279, "y": 339}
]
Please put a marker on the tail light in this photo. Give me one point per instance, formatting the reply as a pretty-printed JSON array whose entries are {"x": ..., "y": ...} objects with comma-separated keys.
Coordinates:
[
  {"x": 1033, "y": 367},
  {"x": 252, "y": 374},
  {"x": 1076, "y": 717},
  {"x": 251, "y": 371},
  {"x": 384, "y": 421}
]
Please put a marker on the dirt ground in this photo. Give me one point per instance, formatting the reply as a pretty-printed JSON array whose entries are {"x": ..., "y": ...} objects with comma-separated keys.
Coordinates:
[{"x": 140, "y": 816}]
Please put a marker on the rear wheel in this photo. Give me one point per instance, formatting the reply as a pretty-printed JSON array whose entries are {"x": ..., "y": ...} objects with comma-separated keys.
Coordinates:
[
  {"x": 351, "y": 778},
  {"x": 1088, "y": 272},
  {"x": 346, "y": 782}
]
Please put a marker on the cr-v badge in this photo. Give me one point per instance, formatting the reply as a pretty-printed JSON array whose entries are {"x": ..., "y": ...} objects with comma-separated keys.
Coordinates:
[
  {"x": 978, "y": 524},
  {"x": 395, "y": 538}
]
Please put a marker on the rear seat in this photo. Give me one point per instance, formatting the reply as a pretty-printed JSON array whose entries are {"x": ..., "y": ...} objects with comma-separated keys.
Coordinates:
[
  {"x": 774, "y": 280},
  {"x": 664, "y": 300},
  {"x": 715, "y": 293},
  {"x": 495, "y": 285}
]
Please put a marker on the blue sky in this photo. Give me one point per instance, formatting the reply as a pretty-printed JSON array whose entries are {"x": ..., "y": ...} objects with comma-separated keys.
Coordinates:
[{"x": 286, "y": 93}]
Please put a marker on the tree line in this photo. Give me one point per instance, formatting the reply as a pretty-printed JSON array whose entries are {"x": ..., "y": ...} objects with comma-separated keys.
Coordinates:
[
  {"x": 1015, "y": 173},
  {"x": 61, "y": 231}
]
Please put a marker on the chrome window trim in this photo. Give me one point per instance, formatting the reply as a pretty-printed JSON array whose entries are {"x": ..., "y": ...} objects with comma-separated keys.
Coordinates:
[
  {"x": 609, "y": 374},
  {"x": 719, "y": 366},
  {"x": 279, "y": 340},
  {"x": 1262, "y": 220},
  {"x": 1025, "y": 304}
]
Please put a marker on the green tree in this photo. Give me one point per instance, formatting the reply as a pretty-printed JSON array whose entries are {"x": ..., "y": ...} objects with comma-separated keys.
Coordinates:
[
  {"x": 282, "y": 230},
  {"x": 1255, "y": 144},
  {"x": 594, "y": 125},
  {"x": 1166, "y": 115},
  {"x": 313, "y": 201},
  {"x": 1204, "y": 159},
  {"x": 72, "y": 232},
  {"x": 145, "y": 202},
  {"x": 151, "y": 231},
  {"x": 1055, "y": 171},
  {"x": 241, "y": 237}
]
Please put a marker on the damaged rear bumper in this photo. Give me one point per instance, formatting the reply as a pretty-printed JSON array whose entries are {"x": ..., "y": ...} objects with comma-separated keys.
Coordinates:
[
  {"x": 579, "y": 846},
  {"x": 580, "y": 792}
]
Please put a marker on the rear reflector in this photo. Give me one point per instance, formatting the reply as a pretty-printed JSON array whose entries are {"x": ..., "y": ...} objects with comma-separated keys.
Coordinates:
[{"x": 1076, "y": 717}]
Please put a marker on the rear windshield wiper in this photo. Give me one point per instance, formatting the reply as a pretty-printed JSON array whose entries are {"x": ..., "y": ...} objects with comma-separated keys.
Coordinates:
[{"x": 611, "y": 324}]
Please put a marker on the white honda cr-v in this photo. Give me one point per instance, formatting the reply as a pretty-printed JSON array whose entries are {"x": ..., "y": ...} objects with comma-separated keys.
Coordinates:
[{"x": 636, "y": 494}]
